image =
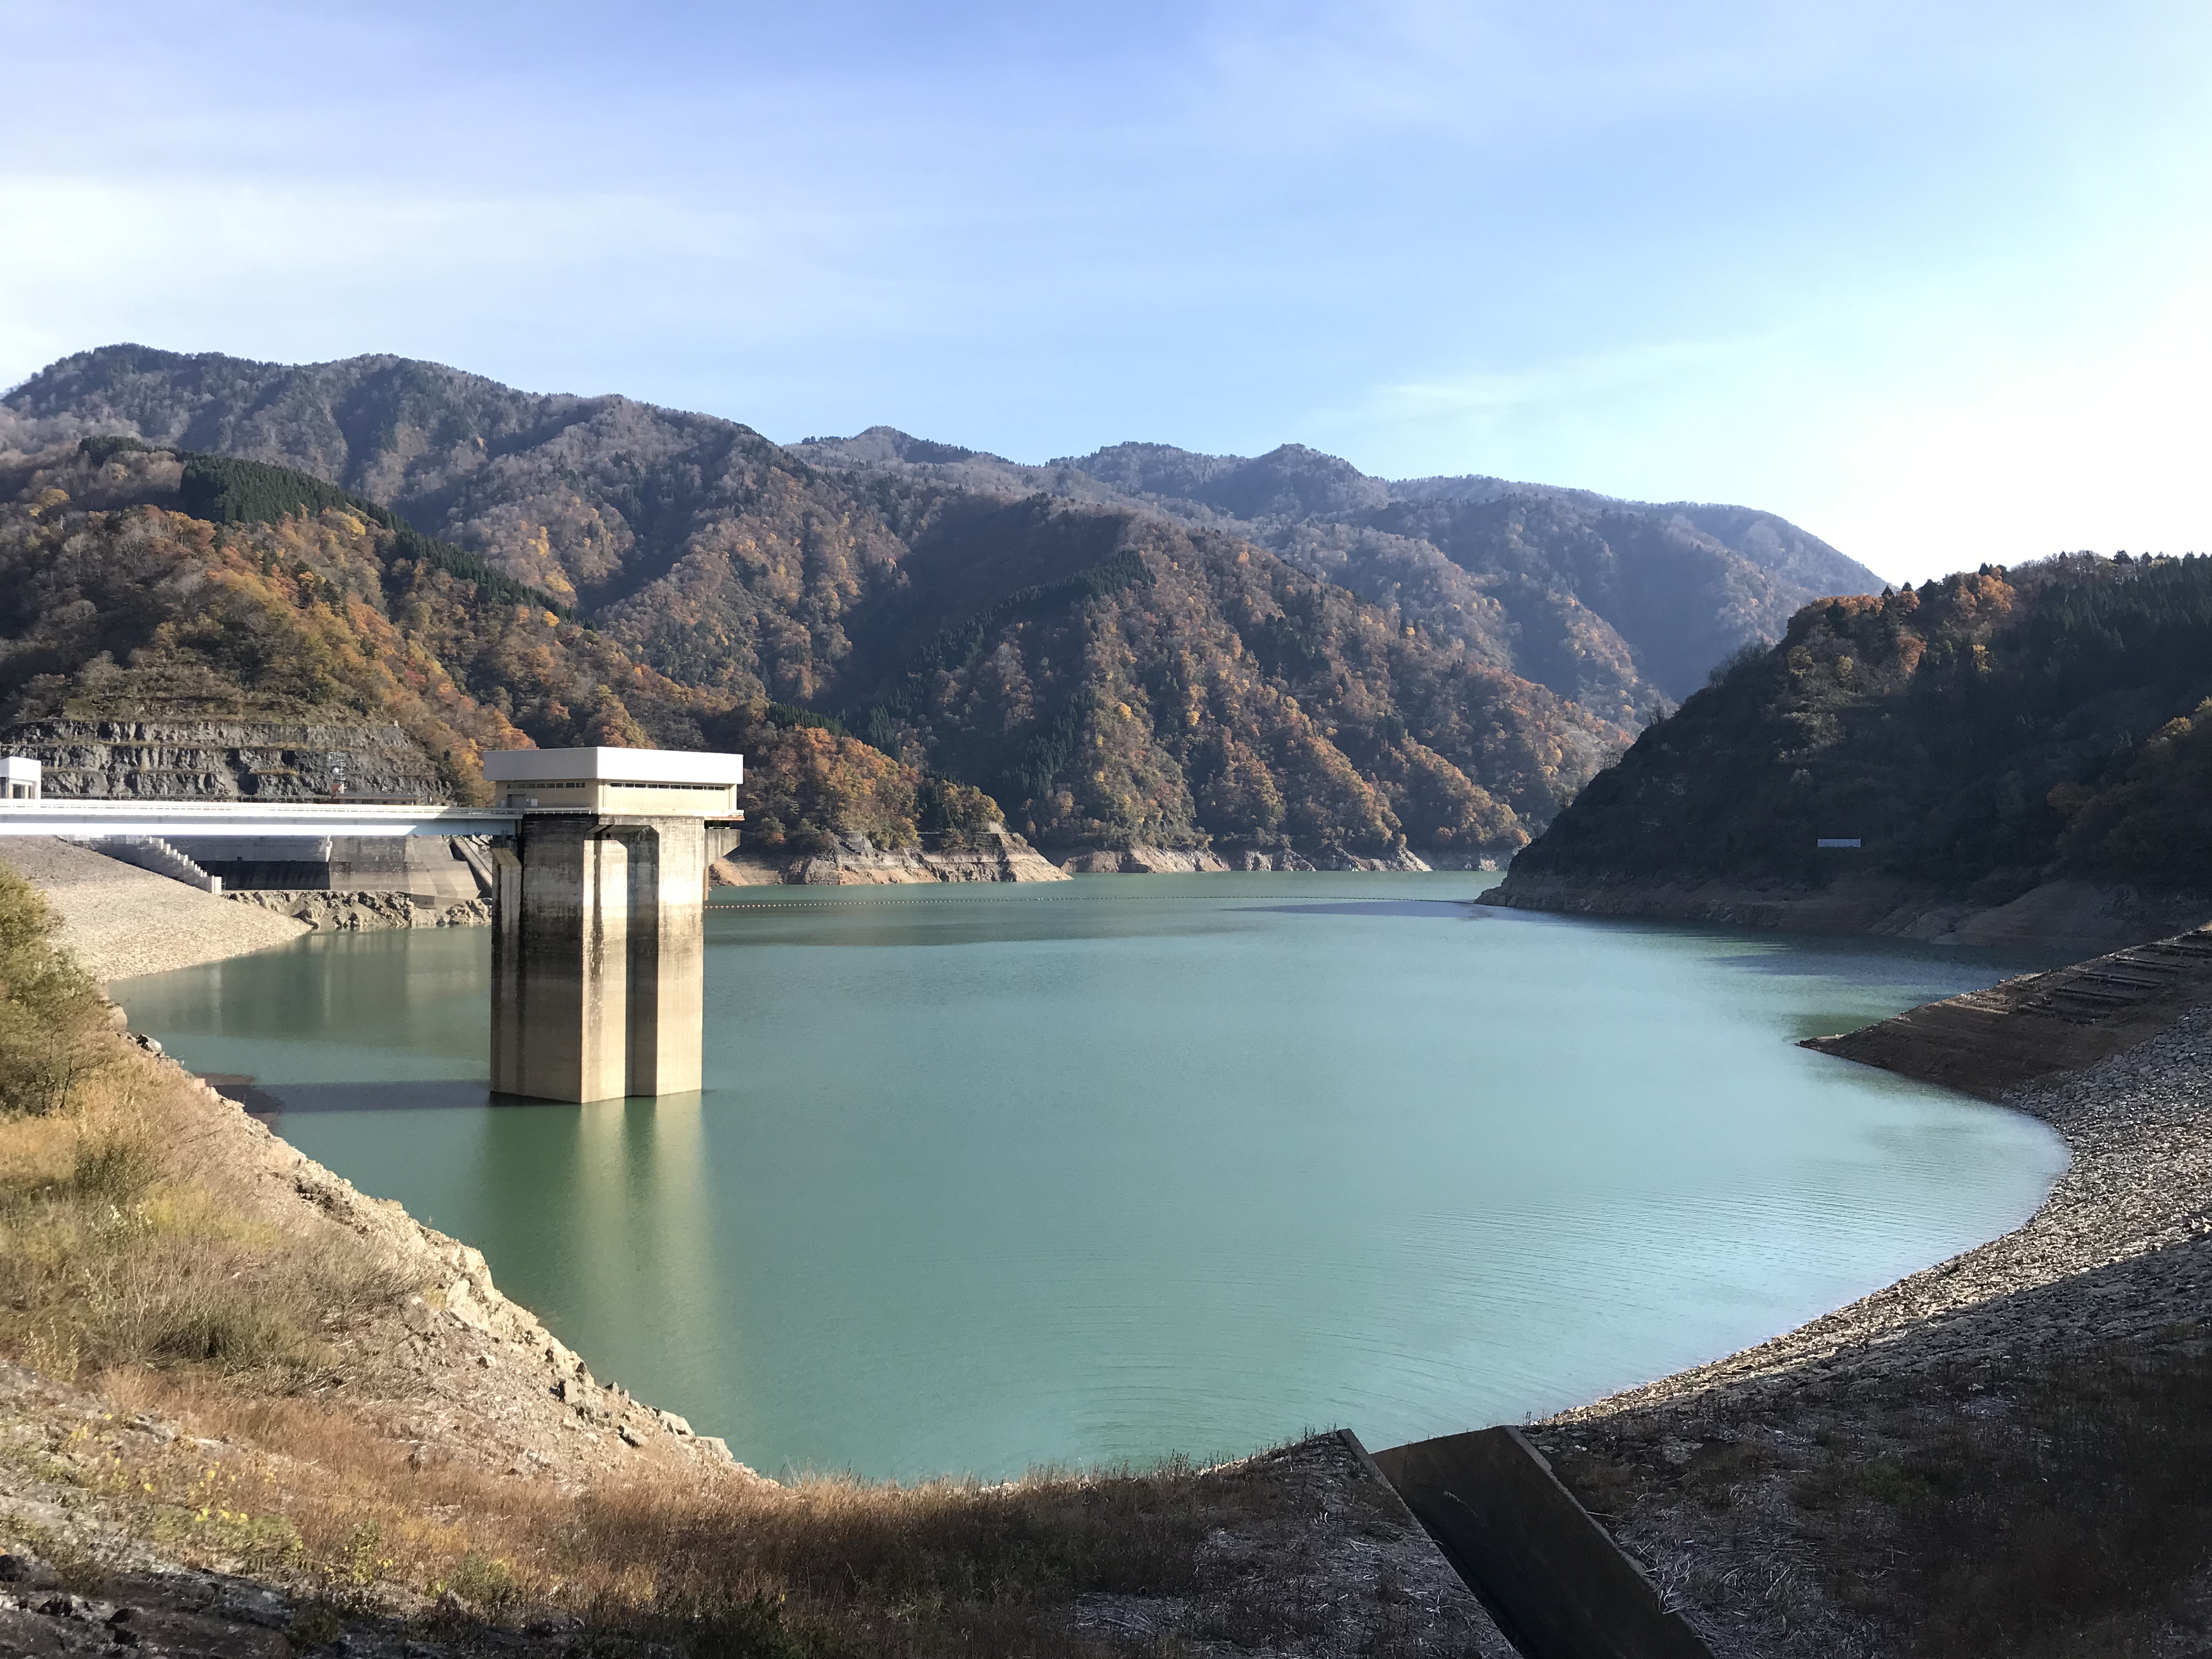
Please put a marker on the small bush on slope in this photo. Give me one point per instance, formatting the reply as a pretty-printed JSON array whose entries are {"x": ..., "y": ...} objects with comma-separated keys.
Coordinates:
[{"x": 52, "y": 1015}]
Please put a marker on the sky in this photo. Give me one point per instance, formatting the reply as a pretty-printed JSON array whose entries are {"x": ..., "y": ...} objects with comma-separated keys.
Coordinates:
[{"x": 1929, "y": 280}]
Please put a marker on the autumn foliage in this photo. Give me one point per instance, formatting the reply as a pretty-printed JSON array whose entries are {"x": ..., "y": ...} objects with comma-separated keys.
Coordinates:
[
  {"x": 1980, "y": 734},
  {"x": 112, "y": 606}
]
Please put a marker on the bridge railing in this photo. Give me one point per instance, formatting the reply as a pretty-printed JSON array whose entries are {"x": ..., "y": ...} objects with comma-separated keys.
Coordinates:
[{"x": 161, "y": 819}]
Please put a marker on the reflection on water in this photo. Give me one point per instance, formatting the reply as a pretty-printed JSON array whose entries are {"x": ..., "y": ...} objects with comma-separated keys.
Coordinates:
[{"x": 989, "y": 1177}]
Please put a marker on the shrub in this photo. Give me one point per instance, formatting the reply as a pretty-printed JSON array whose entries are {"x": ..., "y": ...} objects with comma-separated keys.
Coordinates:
[
  {"x": 51, "y": 1014},
  {"x": 228, "y": 1329},
  {"x": 117, "y": 1169}
]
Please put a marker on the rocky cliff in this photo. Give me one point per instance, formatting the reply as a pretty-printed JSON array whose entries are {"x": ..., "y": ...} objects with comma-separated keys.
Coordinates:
[{"x": 212, "y": 760}]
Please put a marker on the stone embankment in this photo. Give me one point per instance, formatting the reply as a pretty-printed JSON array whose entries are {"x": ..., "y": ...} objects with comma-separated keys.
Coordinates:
[
  {"x": 1751, "y": 1489},
  {"x": 1988, "y": 1043},
  {"x": 118, "y": 920},
  {"x": 226, "y": 760},
  {"x": 2075, "y": 916},
  {"x": 856, "y": 862},
  {"x": 353, "y": 913}
]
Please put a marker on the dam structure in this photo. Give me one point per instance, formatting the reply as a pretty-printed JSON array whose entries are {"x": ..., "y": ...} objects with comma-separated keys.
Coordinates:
[
  {"x": 599, "y": 919},
  {"x": 598, "y": 894}
]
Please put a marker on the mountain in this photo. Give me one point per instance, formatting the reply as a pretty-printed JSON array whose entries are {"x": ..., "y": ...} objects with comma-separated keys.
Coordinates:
[
  {"x": 138, "y": 583},
  {"x": 1622, "y": 606},
  {"x": 1977, "y": 740},
  {"x": 1270, "y": 680}
]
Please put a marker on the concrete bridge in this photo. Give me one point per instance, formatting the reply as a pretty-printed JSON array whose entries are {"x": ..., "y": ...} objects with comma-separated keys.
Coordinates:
[{"x": 598, "y": 897}]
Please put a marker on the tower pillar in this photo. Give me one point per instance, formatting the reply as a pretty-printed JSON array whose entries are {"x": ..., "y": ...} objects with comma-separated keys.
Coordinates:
[{"x": 598, "y": 922}]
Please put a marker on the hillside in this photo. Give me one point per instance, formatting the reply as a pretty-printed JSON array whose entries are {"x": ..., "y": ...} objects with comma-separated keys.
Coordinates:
[
  {"x": 1178, "y": 685},
  {"x": 1622, "y": 606},
  {"x": 1262, "y": 710},
  {"x": 117, "y": 603},
  {"x": 1983, "y": 738}
]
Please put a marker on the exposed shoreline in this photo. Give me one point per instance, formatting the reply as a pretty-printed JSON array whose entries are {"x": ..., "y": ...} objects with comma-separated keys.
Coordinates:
[
  {"x": 856, "y": 862},
  {"x": 2082, "y": 918},
  {"x": 444, "y": 1390}
]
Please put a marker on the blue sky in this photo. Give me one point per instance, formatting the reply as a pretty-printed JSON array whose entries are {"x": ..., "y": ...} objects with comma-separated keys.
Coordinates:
[{"x": 1928, "y": 279}]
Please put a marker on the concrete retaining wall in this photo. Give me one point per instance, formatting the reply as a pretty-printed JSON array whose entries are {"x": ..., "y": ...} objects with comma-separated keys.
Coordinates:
[{"x": 1554, "y": 1580}]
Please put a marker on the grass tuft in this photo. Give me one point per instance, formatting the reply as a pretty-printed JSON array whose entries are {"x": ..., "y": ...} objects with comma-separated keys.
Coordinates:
[{"x": 115, "y": 1169}]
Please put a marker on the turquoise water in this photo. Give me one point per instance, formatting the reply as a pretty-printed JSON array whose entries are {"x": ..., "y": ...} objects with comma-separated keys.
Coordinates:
[{"x": 995, "y": 1176}]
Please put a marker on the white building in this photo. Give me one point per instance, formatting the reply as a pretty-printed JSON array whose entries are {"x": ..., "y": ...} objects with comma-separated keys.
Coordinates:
[{"x": 646, "y": 782}]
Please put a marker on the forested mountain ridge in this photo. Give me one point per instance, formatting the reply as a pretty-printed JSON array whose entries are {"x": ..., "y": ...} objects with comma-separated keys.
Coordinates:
[
  {"x": 1976, "y": 737},
  {"x": 1118, "y": 702},
  {"x": 1230, "y": 695},
  {"x": 1180, "y": 685},
  {"x": 1621, "y": 606},
  {"x": 138, "y": 583}
]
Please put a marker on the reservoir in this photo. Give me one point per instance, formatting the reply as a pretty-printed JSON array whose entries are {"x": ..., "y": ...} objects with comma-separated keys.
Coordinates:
[{"x": 990, "y": 1177}]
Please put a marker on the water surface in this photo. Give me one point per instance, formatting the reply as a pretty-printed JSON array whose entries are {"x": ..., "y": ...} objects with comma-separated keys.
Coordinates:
[{"x": 987, "y": 1177}]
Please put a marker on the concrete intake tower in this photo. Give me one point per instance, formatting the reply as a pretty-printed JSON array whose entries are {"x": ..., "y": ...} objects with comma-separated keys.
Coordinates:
[{"x": 598, "y": 934}]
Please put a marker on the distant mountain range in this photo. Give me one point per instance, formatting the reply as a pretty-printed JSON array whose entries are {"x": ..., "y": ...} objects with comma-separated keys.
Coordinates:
[
  {"x": 1620, "y": 605},
  {"x": 1140, "y": 645}
]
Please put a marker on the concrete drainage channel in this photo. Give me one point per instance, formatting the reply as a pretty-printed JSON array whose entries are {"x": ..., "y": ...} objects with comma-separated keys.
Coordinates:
[{"x": 1551, "y": 1577}]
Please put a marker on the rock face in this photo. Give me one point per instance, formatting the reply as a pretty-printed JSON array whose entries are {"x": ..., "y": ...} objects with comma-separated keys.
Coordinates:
[
  {"x": 1142, "y": 860},
  {"x": 366, "y": 912},
  {"x": 226, "y": 760},
  {"x": 856, "y": 862}
]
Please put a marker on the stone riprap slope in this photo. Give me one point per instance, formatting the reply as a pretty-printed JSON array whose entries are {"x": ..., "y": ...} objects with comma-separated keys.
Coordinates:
[
  {"x": 2017, "y": 1034},
  {"x": 118, "y": 920},
  {"x": 856, "y": 862},
  {"x": 342, "y": 912}
]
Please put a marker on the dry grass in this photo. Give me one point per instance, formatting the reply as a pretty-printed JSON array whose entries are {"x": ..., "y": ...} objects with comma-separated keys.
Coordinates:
[
  {"x": 115, "y": 1251},
  {"x": 2071, "y": 1515},
  {"x": 2071, "y": 1526},
  {"x": 300, "y": 1492}
]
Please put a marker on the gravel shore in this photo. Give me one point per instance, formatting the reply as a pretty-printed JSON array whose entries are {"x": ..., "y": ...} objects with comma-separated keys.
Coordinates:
[
  {"x": 119, "y": 920},
  {"x": 1742, "y": 1485}
]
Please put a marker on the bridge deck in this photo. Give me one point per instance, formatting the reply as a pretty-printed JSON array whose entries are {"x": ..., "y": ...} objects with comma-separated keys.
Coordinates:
[{"x": 167, "y": 819}]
